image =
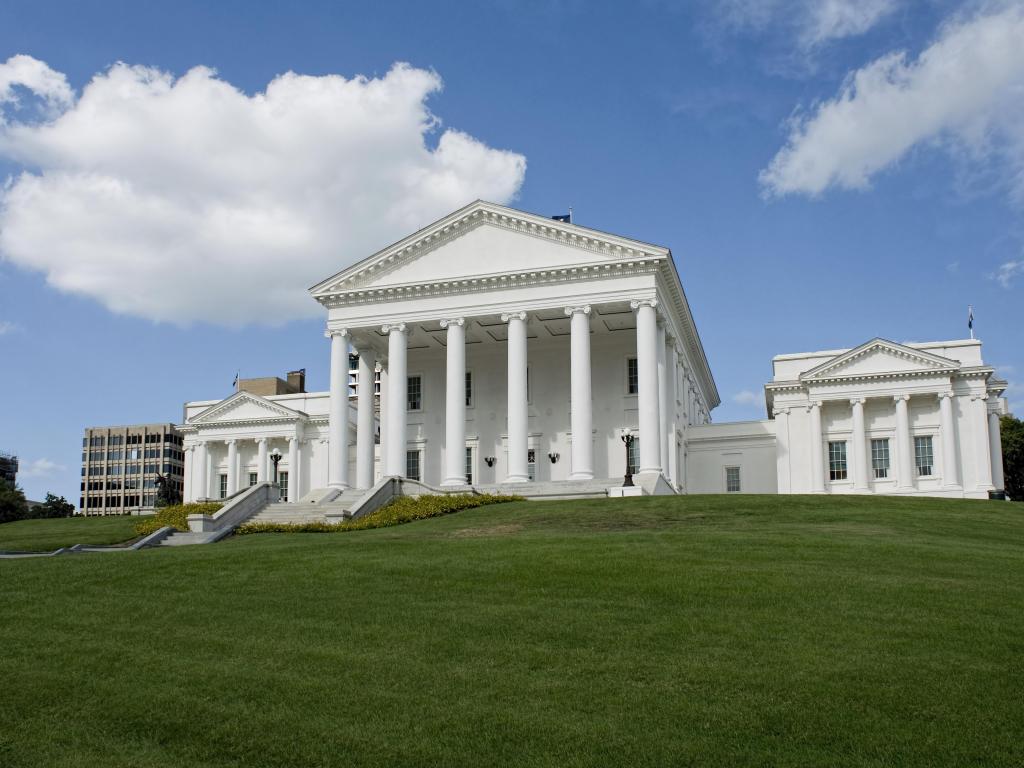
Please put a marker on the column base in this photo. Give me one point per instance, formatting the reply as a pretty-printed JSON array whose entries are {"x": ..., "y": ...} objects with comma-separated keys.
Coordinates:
[
  {"x": 518, "y": 479},
  {"x": 455, "y": 483},
  {"x": 581, "y": 475}
]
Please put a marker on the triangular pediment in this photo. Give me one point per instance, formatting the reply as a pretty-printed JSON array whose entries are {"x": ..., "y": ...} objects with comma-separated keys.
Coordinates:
[
  {"x": 245, "y": 406},
  {"x": 880, "y": 357},
  {"x": 482, "y": 240}
]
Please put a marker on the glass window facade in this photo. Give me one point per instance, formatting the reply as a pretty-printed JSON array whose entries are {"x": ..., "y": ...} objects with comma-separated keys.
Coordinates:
[
  {"x": 837, "y": 459},
  {"x": 923, "y": 456},
  {"x": 732, "y": 479},
  {"x": 880, "y": 458}
]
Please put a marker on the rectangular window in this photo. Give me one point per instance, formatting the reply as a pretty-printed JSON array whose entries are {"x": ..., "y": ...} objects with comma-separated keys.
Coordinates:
[
  {"x": 223, "y": 486},
  {"x": 634, "y": 456},
  {"x": 412, "y": 465},
  {"x": 469, "y": 465},
  {"x": 469, "y": 389},
  {"x": 837, "y": 460},
  {"x": 732, "y": 479},
  {"x": 880, "y": 458},
  {"x": 414, "y": 399},
  {"x": 923, "y": 456},
  {"x": 282, "y": 480},
  {"x": 632, "y": 376},
  {"x": 253, "y": 479},
  {"x": 531, "y": 464}
]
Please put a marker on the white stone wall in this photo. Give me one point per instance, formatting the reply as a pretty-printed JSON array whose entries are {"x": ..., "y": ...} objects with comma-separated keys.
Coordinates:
[{"x": 749, "y": 445}]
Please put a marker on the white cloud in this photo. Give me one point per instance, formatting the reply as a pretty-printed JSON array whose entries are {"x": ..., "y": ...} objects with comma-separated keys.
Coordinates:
[
  {"x": 963, "y": 92},
  {"x": 6, "y": 326},
  {"x": 827, "y": 20},
  {"x": 33, "y": 75},
  {"x": 811, "y": 23},
  {"x": 1008, "y": 271},
  {"x": 747, "y": 397},
  {"x": 187, "y": 200},
  {"x": 42, "y": 468}
]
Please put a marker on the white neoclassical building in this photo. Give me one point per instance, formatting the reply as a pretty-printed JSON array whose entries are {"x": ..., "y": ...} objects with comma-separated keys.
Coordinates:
[{"x": 513, "y": 350}]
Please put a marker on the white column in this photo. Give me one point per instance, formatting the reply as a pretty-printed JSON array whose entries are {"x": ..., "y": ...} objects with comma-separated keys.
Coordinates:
[
  {"x": 582, "y": 410},
  {"x": 364, "y": 420},
  {"x": 201, "y": 488},
  {"x": 293, "y": 461},
  {"x": 261, "y": 460},
  {"x": 209, "y": 475},
  {"x": 671, "y": 378},
  {"x": 382, "y": 425},
  {"x": 189, "y": 485},
  {"x": 647, "y": 394},
  {"x": 398, "y": 399},
  {"x": 662, "y": 399},
  {"x": 996, "y": 449},
  {"x": 337, "y": 425},
  {"x": 518, "y": 414},
  {"x": 950, "y": 462},
  {"x": 455, "y": 402},
  {"x": 817, "y": 449},
  {"x": 904, "y": 446},
  {"x": 232, "y": 466},
  {"x": 982, "y": 447},
  {"x": 782, "y": 450},
  {"x": 860, "y": 446}
]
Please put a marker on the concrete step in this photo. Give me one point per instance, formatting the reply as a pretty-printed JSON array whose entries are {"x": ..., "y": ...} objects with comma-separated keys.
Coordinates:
[{"x": 181, "y": 539}]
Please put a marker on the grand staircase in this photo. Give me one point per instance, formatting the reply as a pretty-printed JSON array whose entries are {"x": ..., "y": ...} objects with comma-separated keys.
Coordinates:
[{"x": 301, "y": 512}]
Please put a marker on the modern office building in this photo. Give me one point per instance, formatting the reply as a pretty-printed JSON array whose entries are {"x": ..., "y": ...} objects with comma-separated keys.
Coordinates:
[{"x": 120, "y": 467}]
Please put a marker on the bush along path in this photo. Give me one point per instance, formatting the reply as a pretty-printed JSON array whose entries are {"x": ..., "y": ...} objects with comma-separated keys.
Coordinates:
[{"x": 402, "y": 510}]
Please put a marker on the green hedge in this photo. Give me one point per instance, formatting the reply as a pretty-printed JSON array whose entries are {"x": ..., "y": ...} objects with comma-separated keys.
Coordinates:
[
  {"x": 404, "y": 509},
  {"x": 175, "y": 516}
]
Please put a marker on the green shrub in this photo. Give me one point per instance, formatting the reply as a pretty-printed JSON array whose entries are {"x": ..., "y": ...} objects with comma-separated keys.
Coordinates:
[
  {"x": 175, "y": 516},
  {"x": 404, "y": 509}
]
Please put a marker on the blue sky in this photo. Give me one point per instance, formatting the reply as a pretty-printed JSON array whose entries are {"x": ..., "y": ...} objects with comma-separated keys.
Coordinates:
[{"x": 824, "y": 173}]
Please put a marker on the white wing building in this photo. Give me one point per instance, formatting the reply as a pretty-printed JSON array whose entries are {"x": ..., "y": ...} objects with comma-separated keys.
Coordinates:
[{"x": 513, "y": 350}]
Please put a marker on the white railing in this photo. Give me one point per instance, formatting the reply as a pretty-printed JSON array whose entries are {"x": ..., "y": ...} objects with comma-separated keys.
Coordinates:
[{"x": 239, "y": 508}]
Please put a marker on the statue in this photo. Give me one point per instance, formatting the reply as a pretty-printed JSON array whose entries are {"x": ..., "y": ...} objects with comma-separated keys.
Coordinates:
[{"x": 166, "y": 495}]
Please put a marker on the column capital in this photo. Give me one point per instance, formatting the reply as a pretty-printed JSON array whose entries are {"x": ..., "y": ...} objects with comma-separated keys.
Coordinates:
[
  {"x": 330, "y": 333},
  {"x": 389, "y": 327},
  {"x": 507, "y": 316},
  {"x": 780, "y": 411},
  {"x": 189, "y": 448},
  {"x": 460, "y": 321},
  {"x": 981, "y": 397},
  {"x": 637, "y": 303},
  {"x": 943, "y": 395},
  {"x": 570, "y": 311},
  {"x": 813, "y": 404},
  {"x": 261, "y": 441},
  {"x": 897, "y": 398},
  {"x": 232, "y": 441},
  {"x": 858, "y": 400}
]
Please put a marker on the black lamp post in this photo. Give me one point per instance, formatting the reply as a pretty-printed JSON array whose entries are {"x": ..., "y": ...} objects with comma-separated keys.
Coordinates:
[
  {"x": 627, "y": 439},
  {"x": 275, "y": 457}
]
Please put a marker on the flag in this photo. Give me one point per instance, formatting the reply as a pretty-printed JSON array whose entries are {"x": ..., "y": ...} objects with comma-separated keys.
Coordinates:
[
  {"x": 970, "y": 318},
  {"x": 566, "y": 219},
  {"x": 235, "y": 382}
]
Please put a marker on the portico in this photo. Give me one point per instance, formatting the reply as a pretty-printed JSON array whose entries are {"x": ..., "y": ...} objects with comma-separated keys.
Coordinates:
[{"x": 491, "y": 328}]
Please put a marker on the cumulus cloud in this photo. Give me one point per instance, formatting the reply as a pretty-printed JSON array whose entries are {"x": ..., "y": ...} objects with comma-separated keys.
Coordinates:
[
  {"x": 33, "y": 75},
  {"x": 964, "y": 92},
  {"x": 41, "y": 468},
  {"x": 185, "y": 199},
  {"x": 1008, "y": 271},
  {"x": 747, "y": 397}
]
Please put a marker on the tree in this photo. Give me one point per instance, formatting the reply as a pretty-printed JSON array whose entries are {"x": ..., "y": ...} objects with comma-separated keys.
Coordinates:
[
  {"x": 1011, "y": 431},
  {"x": 54, "y": 506},
  {"x": 12, "y": 503}
]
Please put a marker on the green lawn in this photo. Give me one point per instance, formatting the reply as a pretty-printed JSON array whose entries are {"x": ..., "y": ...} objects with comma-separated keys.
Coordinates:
[
  {"x": 704, "y": 631},
  {"x": 48, "y": 535}
]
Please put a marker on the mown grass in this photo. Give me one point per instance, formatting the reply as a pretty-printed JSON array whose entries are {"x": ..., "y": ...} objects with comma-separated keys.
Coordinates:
[
  {"x": 711, "y": 631},
  {"x": 48, "y": 535}
]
